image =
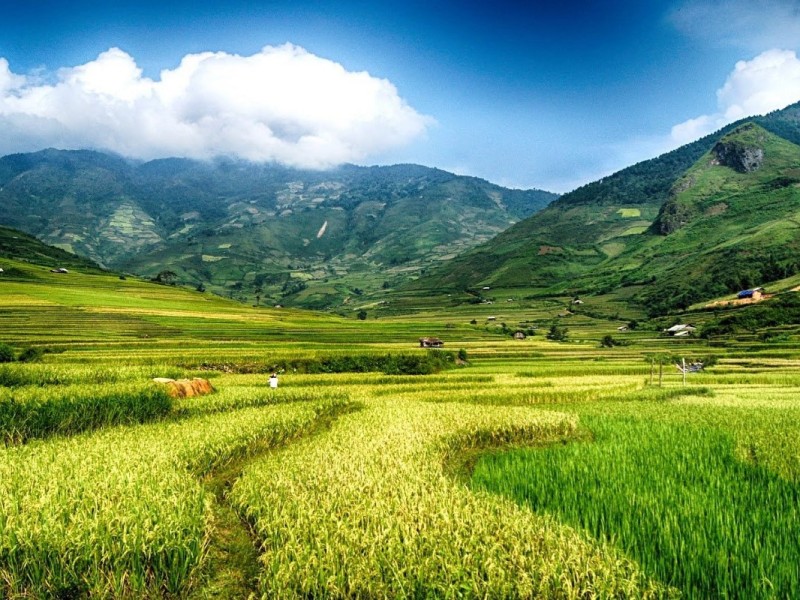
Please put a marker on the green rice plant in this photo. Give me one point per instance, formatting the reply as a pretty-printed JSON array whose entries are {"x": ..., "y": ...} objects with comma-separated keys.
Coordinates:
[
  {"x": 660, "y": 394},
  {"x": 672, "y": 496},
  {"x": 27, "y": 413},
  {"x": 405, "y": 363},
  {"x": 238, "y": 397},
  {"x": 540, "y": 392},
  {"x": 366, "y": 510},
  {"x": 121, "y": 513},
  {"x": 15, "y": 375}
]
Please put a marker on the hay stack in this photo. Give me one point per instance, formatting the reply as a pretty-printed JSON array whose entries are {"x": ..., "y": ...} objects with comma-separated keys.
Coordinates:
[{"x": 186, "y": 388}]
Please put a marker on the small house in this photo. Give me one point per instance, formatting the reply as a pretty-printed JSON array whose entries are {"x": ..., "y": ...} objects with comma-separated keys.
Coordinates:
[
  {"x": 486, "y": 287},
  {"x": 519, "y": 335},
  {"x": 622, "y": 328},
  {"x": 754, "y": 294},
  {"x": 577, "y": 301},
  {"x": 430, "y": 342},
  {"x": 680, "y": 330},
  {"x": 1, "y": 271},
  {"x": 491, "y": 318},
  {"x": 59, "y": 270}
]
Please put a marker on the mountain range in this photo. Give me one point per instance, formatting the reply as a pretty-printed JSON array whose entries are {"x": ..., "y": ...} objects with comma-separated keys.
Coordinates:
[
  {"x": 707, "y": 219},
  {"x": 257, "y": 232},
  {"x": 710, "y": 218}
]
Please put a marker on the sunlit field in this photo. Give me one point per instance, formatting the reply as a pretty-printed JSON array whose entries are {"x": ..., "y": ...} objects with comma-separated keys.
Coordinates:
[{"x": 519, "y": 469}]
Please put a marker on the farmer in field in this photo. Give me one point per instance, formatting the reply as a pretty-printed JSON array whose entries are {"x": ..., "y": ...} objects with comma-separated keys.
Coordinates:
[{"x": 273, "y": 381}]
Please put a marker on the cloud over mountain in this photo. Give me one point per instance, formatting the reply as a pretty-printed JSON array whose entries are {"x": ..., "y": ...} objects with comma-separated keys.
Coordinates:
[
  {"x": 283, "y": 104},
  {"x": 768, "y": 82}
]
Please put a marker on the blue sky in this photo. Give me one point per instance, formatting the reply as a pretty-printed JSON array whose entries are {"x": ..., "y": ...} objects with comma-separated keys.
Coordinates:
[{"x": 536, "y": 94}]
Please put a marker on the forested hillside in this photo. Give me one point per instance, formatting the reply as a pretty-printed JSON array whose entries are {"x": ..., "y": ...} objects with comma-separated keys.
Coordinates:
[
  {"x": 613, "y": 233},
  {"x": 260, "y": 233}
]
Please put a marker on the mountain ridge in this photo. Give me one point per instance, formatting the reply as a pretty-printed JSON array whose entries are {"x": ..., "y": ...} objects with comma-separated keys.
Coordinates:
[
  {"x": 582, "y": 243},
  {"x": 256, "y": 231}
]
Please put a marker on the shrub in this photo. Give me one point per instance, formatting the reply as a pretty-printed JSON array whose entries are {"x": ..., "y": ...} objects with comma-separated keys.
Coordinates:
[
  {"x": 6, "y": 353},
  {"x": 32, "y": 354},
  {"x": 608, "y": 342},
  {"x": 557, "y": 333}
]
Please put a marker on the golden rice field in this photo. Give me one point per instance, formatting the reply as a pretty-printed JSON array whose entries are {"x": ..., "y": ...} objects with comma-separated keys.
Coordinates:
[{"x": 535, "y": 469}]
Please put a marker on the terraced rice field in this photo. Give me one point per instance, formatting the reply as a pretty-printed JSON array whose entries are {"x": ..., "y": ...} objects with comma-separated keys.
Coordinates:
[{"x": 536, "y": 470}]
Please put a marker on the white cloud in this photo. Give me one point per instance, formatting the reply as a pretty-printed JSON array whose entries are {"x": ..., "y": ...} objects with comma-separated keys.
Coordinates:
[
  {"x": 768, "y": 82},
  {"x": 283, "y": 104},
  {"x": 8, "y": 81}
]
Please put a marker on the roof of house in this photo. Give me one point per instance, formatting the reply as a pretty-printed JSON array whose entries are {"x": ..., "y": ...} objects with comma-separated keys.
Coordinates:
[{"x": 749, "y": 293}]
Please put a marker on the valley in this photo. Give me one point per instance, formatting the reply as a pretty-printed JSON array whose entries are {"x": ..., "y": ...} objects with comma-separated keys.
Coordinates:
[{"x": 376, "y": 466}]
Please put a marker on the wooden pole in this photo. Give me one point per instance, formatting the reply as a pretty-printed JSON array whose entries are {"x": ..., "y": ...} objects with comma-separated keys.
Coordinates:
[
  {"x": 652, "y": 368},
  {"x": 683, "y": 362},
  {"x": 660, "y": 370}
]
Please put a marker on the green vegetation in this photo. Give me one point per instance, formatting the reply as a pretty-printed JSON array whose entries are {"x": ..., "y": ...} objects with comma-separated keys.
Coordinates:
[
  {"x": 557, "y": 333},
  {"x": 373, "y": 516},
  {"x": 349, "y": 479},
  {"x": 7, "y": 353},
  {"x": 17, "y": 245},
  {"x": 715, "y": 217},
  {"x": 667, "y": 491},
  {"x": 782, "y": 311},
  {"x": 38, "y": 412},
  {"x": 122, "y": 513},
  {"x": 257, "y": 233}
]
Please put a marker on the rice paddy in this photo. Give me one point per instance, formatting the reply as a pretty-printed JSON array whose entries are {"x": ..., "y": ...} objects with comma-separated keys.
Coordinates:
[{"x": 535, "y": 469}]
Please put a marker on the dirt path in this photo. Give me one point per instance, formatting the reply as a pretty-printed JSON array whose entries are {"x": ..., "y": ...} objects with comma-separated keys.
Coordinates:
[
  {"x": 232, "y": 562},
  {"x": 232, "y": 566}
]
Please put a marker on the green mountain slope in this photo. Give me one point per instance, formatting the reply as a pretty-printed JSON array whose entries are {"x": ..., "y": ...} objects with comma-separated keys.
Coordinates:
[
  {"x": 732, "y": 222},
  {"x": 619, "y": 231},
  {"x": 18, "y": 247},
  {"x": 256, "y": 232}
]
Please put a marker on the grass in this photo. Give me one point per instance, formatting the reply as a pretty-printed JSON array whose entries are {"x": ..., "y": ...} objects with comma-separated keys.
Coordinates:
[{"x": 664, "y": 492}]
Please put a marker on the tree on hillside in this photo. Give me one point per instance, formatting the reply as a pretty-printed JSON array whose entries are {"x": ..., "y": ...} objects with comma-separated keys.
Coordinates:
[
  {"x": 557, "y": 333},
  {"x": 166, "y": 277}
]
